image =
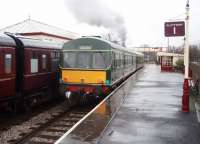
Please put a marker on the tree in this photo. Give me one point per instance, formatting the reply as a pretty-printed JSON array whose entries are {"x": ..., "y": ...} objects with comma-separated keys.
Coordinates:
[
  {"x": 194, "y": 53},
  {"x": 179, "y": 65}
]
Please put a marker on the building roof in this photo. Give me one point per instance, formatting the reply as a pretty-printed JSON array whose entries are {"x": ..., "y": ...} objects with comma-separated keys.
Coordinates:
[
  {"x": 32, "y": 26},
  {"x": 169, "y": 54}
]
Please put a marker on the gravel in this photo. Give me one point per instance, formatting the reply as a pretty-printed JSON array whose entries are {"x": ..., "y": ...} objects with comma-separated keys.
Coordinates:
[{"x": 16, "y": 131}]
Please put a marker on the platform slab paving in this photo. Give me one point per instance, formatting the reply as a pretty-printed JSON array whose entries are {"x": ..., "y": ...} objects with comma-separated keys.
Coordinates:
[{"x": 151, "y": 113}]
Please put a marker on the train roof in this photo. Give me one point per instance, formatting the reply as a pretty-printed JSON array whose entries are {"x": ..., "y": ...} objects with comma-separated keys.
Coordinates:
[
  {"x": 6, "y": 40},
  {"x": 139, "y": 54},
  {"x": 92, "y": 43},
  {"x": 37, "y": 43}
]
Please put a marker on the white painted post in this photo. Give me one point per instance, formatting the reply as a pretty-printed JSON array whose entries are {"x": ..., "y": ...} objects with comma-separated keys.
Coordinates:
[
  {"x": 185, "y": 97},
  {"x": 186, "y": 51}
]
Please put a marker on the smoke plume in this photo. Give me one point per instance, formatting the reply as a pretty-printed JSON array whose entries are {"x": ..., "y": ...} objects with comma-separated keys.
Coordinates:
[{"x": 95, "y": 12}]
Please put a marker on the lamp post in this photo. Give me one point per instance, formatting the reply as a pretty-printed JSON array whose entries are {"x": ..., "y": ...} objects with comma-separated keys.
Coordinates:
[{"x": 185, "y": 97}]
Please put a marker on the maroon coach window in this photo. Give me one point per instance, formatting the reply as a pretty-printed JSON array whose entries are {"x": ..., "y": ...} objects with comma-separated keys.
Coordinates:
[
  {"x": 34, "y": 62},
  {"x": 8, "y": 63},
  {"x": 44, "y": 62}
]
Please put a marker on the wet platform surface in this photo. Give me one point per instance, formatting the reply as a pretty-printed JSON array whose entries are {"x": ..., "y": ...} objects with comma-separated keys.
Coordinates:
[
  {"x": 145, "y": 110},
  {"x": 151, "y": 112}
]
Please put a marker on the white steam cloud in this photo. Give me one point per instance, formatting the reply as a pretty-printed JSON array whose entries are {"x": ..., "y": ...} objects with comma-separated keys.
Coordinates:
[{"x": 95, "y": 12}]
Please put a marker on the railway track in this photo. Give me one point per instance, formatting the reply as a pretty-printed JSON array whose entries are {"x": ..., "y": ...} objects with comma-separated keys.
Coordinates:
[
  {"x": 49, "y": 132},
  {"x": 8, "y": 120},
  {"x": 51, "y": 120}
]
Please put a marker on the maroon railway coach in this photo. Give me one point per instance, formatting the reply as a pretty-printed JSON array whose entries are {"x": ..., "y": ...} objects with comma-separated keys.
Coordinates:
[{"x": 28, "y": 70}]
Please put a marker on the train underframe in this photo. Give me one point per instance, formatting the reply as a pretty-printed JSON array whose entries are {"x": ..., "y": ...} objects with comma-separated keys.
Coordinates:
[
  {"x": 84, "y": 94},
  {"x": 26, "y": 101}
]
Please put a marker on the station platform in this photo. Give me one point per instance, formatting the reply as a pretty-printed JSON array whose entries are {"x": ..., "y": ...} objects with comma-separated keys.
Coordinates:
[
  {"x": 145, "y": 110},
  {"x": 151, "y": 112}
]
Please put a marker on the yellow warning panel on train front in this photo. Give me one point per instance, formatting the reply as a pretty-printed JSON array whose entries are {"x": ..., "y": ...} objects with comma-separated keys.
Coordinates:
[{"x": 84, "y": 76}]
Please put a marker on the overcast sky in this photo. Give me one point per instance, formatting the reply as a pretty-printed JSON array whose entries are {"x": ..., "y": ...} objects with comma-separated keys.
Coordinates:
[{"x": 143, "y": 20}]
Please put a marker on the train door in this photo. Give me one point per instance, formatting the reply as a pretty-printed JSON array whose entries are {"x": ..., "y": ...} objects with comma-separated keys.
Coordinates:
[
  {"x": 113, "y": 68},
  {"x": 7, "y": 76},
  {"x": 31, "y": 63}
]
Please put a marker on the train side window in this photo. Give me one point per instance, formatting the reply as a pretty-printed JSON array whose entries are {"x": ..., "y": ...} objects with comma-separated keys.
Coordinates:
[
  {"x": 125, "y": 61},
  {"x": 118, "y": 60},
  {"x": 44, "y": 62},
  {"x": 122, "y": 60},
  {"x": 34, "y": 62},
  {"x": 132, "y": 62},
  {"x": 114, "y": 61},
  {"x": 53, "y": 55},
  {"x": 8, "y": 63},
  {"x": 57, "y": 54}
]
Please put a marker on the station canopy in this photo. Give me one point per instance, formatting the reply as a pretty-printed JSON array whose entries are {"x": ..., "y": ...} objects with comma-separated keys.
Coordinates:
[{"x": 31, "y": 27}]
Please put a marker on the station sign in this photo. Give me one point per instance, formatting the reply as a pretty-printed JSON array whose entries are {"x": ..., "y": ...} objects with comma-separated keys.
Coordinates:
[{"x": 173, "y": 29}]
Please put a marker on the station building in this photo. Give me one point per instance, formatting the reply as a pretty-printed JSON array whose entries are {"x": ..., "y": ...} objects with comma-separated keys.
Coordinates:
[
  {"x": 168, "y": 60},
  {"x": 39, "y": 30},
  {"x": 150, "y": 52}
]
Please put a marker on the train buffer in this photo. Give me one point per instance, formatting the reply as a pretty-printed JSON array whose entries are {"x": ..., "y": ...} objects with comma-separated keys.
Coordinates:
[{"x": 145, "y": 110}]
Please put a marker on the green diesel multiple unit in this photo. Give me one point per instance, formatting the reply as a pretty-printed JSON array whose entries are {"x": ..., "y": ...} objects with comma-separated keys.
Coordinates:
[{"x": 90, "y": 67}]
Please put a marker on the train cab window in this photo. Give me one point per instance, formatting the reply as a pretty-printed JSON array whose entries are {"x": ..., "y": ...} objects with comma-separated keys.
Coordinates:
[
  {"x": 77, "y": 60},
  {"x": 100, "y": 60},
  {"x": 34, "y": 62},
  {"x": 84, "y": 60},
  {"x": 69, "y": 60},
  {"x": 8, "y": 63},
  {"x": 44, "y": 62}
]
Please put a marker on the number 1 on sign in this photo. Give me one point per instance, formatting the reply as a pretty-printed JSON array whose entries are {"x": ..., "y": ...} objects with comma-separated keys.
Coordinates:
[{"x": 174, "y": 30}]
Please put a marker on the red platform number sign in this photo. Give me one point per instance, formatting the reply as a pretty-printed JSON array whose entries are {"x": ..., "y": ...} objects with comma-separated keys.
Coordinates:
[{"x": 173, "y": 29}]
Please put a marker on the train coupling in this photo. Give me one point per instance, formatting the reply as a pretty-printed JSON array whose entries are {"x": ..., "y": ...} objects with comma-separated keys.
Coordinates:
[{"x": 68, "y": 94}]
